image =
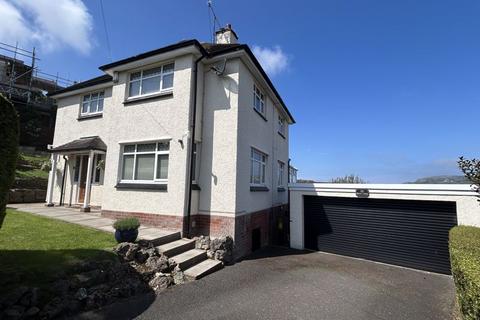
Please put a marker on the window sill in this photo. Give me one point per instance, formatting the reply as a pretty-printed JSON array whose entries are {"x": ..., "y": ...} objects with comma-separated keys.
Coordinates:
[
  {"x": 142, "y": 186},
  {"x": 260, "y": 114},
  {"x": 258, "y": 188},
  {"x": 90, "y": 116},
  {"x": 164, "y": 94},
  {"x": 281, "y": 135},
  {"x": 281, "y": 189}
]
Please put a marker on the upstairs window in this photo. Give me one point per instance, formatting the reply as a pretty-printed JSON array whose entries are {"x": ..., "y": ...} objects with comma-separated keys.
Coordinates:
[
  {"x": 258, "y": 100},
  {"x": 258, "y": 163},
  {"x": 282, "y": 126},
  {"x": 145, "y": 163},
  {"x": 151, "y": 81},
  {"x": 92, "y": 104}
]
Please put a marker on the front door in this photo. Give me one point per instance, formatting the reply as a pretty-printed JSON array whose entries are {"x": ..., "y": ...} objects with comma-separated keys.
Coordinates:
[{"x": 83, "y": 179}]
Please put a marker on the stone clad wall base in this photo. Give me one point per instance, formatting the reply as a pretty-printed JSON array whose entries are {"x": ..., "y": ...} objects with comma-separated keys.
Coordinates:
[{"x": 169, "y": 222}]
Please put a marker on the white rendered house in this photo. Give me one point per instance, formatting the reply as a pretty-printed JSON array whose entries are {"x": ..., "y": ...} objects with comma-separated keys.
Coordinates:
[{"x": 192, "y": 137}]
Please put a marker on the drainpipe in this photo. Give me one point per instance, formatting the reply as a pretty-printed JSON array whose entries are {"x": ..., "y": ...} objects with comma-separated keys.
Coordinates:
[
  {"x": 190, "y": 159},
  {"x": 63, "y": 180}
]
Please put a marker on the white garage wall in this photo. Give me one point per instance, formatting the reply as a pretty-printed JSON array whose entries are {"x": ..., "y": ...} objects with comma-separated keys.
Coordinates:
[{"x": 468, "y": 208}]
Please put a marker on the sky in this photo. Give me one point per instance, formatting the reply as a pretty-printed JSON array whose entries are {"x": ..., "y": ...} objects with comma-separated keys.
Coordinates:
[{"x": 387, "y": 90}]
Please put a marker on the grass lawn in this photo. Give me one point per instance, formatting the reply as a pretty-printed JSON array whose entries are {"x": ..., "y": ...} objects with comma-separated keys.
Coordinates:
[
  {"x": 29, "y": 173},
  {"x": 34, "y": 249},
  {"x": 34, "y": 173}
]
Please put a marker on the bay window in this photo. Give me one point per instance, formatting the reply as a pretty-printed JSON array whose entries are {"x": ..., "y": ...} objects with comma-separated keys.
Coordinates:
[{"x": 145, "y": 162}]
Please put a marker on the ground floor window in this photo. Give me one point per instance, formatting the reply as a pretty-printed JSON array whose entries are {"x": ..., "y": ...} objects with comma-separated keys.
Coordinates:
[
  {"x": 145, "y": 162},
  {"x": 281, "y": 170},
  {"x": 258, "y": 163}
]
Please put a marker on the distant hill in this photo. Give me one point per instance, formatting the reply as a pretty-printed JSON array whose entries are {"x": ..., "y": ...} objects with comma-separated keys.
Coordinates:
[{"x": 442, "y": 179}]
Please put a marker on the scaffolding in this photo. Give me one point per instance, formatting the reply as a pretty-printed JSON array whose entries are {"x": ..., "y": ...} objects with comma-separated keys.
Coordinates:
[
  {"x": 26, "y": 82},
  {"x": 26, "y": 86}
]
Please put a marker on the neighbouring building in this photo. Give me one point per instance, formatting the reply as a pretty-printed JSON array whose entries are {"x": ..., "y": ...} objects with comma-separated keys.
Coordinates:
[
  {"x": 192, "y": 136},
  {"x": 292, "y": 172}
]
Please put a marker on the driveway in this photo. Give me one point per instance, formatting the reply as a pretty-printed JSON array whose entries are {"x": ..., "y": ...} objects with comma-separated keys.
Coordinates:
[{"x": 280, "y": 283}]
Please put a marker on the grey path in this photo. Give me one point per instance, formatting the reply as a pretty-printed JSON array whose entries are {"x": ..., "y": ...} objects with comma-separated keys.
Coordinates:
[
  {"x": 92, "y": 219},
  {"x": 288, "y": 284}
]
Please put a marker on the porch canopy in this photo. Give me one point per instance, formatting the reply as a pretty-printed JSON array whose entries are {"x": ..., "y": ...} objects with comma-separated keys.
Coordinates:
[
  {"x": 90, "y": 145},
  {"x": 82, "y": 144}
]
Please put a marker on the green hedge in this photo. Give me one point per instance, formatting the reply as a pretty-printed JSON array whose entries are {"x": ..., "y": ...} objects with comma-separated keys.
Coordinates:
[
  {"x": 465, "y": 260},
  {"x": 9, "y": 131}
]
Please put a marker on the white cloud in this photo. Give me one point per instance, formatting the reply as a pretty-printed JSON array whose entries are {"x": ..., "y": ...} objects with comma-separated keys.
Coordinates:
[
  {"x": 273, "y": 60},
  {"x": 51, "y": 25}
]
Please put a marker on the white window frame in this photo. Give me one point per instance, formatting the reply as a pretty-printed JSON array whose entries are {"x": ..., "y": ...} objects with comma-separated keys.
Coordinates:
[
  {"x": 263, "y": 167},
  {"x": 140, "y": 80},
  {"x": 156, "y": 153},
  {"x": 281, "y": 174},
  {"x": 282, "y": 125},
  {"x": 90, "y": 100},
  {"x": 258, "y": 94}
]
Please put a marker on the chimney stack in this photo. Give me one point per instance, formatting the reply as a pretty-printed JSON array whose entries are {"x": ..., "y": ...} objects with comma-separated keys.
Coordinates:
[{"x": 226, "y": 35}]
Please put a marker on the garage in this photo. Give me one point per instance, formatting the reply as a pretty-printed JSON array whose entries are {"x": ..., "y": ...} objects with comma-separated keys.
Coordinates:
[{"x": 409, "y": 233}]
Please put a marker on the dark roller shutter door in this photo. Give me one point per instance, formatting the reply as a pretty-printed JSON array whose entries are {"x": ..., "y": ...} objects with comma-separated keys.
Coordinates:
[{"x": 408, "y": 233}]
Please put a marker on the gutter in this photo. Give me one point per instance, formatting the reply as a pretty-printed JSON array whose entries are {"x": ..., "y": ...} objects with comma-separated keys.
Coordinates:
[{"x": 192, "y": 145}]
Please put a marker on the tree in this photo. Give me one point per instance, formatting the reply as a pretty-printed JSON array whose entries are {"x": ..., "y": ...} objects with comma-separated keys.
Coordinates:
[
  {"x": 471, "y": 170},
  {"x": 352, "y": 178},
  {"x": 9, "y": 131}
]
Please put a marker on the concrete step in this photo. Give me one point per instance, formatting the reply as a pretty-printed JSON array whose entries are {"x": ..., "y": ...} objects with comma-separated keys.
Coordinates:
[
  {"x": 189, "y": 258},
  {"x": 158, "y": 237},
  {"x": 202, "y": 269},
  {"x": 176, "y": 247}
]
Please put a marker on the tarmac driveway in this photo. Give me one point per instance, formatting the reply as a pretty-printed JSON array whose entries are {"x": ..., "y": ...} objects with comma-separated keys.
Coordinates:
[{"x": 280, "y": 283}]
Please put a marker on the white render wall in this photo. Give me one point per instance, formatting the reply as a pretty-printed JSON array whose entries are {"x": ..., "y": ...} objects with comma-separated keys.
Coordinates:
[
  {"x": 468, "y": 208},
  {"x": 254, "y": 131},
  {"x": 164, "y": 118},
  {"x": 227, "y": 127},
  {"x": 218, "y": 140}
]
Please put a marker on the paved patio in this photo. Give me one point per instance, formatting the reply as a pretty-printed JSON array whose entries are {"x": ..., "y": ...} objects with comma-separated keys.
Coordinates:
[{"x": 91, "y": 219}]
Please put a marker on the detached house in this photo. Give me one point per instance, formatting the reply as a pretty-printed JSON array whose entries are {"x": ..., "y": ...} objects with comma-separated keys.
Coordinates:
[{"x": 192, "y": 137}]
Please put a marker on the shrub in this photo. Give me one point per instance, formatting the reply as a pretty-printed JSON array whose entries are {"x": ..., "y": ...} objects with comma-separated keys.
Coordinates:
[
  {"x": 126, "y": 224},
  {"x": 9, "y": 132},
  {"x": 465, "y": 260}
]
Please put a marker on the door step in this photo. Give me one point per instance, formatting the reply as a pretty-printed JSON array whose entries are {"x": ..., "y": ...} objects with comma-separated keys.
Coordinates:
[
  {"x": 189, "y": 258},
  {"x": 158, "y": 237},
  {"x": 202, "y": 269},
  {"x": 176, "y": 247}
]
